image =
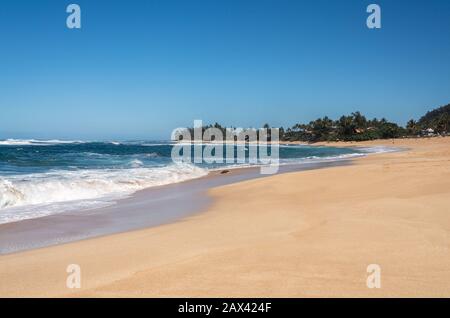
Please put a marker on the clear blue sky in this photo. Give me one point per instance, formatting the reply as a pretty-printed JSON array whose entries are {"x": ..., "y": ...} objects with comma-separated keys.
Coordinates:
[{"x": 138, "y": 69}]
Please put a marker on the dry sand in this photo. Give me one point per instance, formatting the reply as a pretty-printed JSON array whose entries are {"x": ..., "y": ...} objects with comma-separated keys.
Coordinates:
[{"x": 303, "y": 234}]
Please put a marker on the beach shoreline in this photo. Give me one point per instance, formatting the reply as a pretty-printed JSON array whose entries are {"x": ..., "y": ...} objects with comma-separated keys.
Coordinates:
[
  {"x": 143, "y": 209},
  {"x": 300, "y": 234}
]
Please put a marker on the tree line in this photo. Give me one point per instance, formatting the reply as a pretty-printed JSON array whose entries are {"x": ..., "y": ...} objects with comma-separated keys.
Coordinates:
[{"x": 356, "y": 127}]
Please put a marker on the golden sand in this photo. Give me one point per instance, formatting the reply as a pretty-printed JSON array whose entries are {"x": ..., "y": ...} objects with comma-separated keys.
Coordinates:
[{"x": 302, "y": 234}]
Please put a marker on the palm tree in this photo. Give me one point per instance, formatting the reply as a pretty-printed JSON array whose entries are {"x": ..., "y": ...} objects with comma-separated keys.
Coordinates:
[
  {"x": 359, "y": 119},
  {"x": 321, "y": 128},
  {"x": 443, "y": 123},
  {"x": 411, "y": 127},
  {"x": 346, "y": 127}
]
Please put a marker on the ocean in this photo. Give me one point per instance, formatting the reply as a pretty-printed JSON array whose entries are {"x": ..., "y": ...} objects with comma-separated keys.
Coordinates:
[{"x": 44, "y": 177}]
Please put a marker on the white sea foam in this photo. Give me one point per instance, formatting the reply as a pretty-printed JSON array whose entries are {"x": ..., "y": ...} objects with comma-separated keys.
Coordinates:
[
  {"x": 297, "y": 161},
  {"x": 36, "y": 195},
  {"x": 35, "y": 142},
  {"x": 157, "y": 144},
  {"x": 364, "y": 151},
  {"x": 378, "y": 149},
  {"x": 136, "y": 163}
]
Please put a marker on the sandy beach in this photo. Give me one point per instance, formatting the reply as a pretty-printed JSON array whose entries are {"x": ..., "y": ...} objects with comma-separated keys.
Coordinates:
[{"x": 302, "y": 234}]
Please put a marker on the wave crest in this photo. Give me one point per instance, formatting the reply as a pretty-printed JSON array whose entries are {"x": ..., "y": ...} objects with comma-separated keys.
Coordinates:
[
  {"x": 35, "y": 142},
  {"x": 34, "y": 191}
]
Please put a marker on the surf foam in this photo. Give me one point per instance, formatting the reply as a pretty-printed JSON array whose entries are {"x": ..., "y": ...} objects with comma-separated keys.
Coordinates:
[{"x": 36, "y": 195}]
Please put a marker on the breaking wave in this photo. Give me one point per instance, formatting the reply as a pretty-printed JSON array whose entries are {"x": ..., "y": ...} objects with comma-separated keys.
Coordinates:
[
  {"x": 33, "y": 192},
  {"x": 35, "y": 142}
]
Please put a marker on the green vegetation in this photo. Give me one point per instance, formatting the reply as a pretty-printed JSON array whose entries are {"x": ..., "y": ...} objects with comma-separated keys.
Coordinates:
[
  {"x": 356, "y": 127},
  {"x": 437, "y": 119}
]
